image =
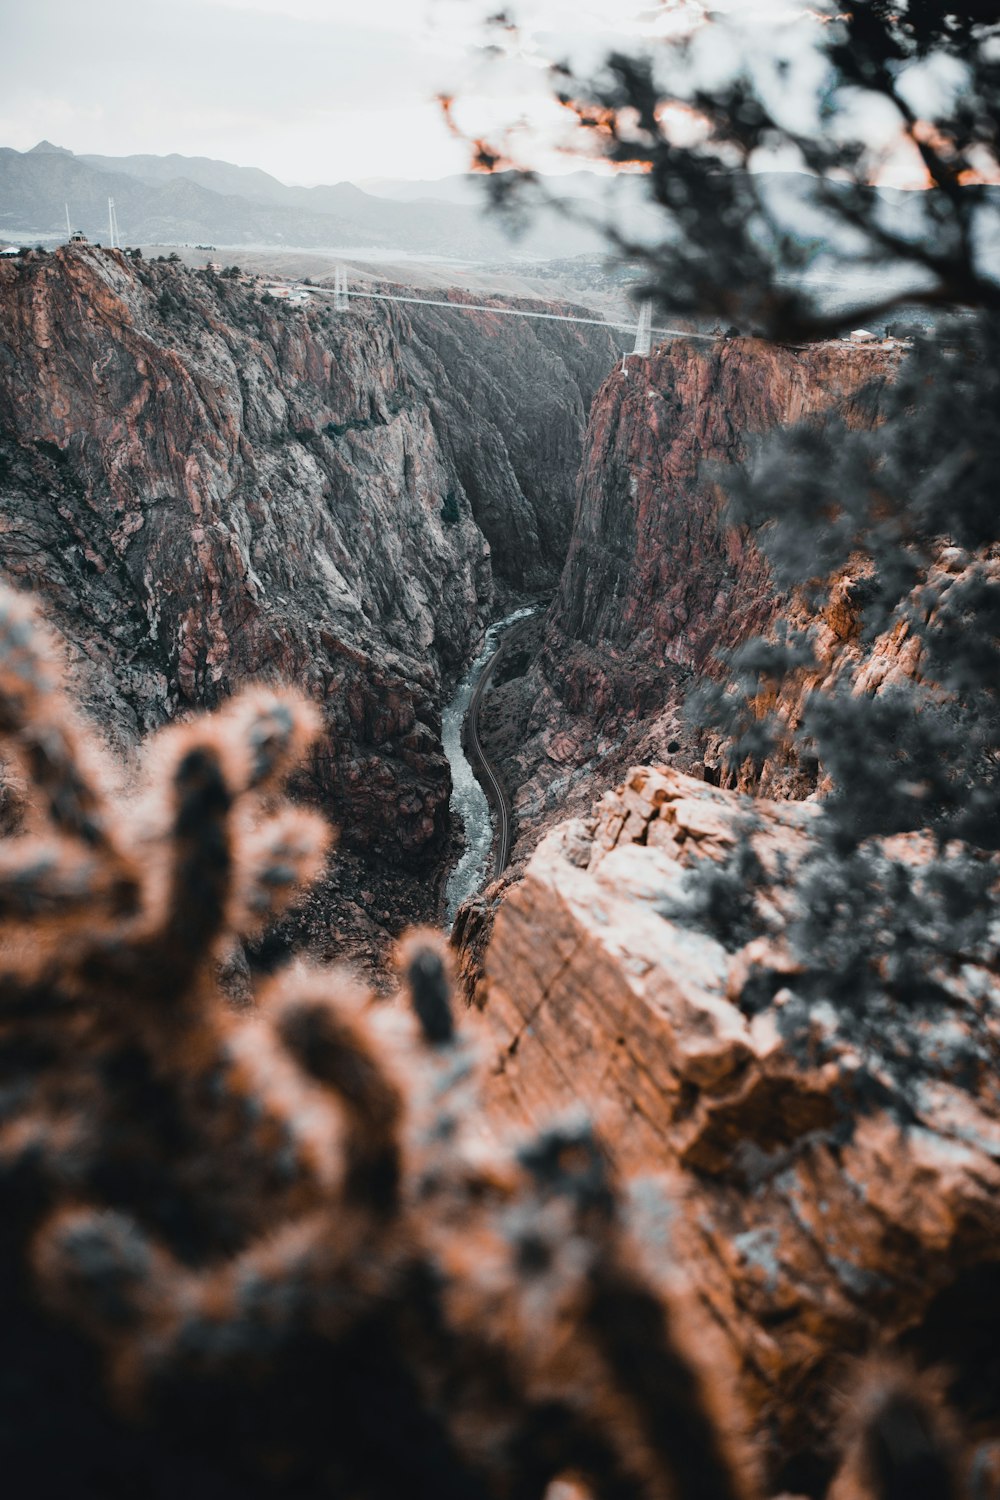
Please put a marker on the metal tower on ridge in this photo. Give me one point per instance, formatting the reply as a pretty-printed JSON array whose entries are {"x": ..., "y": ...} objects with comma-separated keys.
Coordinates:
[
  {"x": 644, "y": 329},
  {"x": 340, "y": 299}
]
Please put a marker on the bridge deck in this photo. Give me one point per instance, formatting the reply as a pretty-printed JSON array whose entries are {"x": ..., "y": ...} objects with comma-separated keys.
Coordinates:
[{"x": 517, "y": 312}]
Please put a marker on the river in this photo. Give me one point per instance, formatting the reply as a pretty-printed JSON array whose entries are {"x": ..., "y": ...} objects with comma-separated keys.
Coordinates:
[{"x": 469, "y": 802}]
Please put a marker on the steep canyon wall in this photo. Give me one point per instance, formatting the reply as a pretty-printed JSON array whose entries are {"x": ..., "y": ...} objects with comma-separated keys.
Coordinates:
[
  {"x": 655, "y": 583},
  {"x": 811, "y": 1222},
  {"x": 203, "y": 485},
  {"x": 812, "y": 1219}
]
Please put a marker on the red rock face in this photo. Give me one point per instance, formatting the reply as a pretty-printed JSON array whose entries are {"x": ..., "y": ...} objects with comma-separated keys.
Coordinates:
[
  {"x": 205, "y": 489},
  {"x": 651, "y": 571},
  {"x": 810, "y": 1221},
  {"x": 654, "y": 583},
  {"x": 815, "y": 1219}
]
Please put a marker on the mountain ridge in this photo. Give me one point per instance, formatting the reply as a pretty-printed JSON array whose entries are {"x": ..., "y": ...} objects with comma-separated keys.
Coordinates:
[{"x": 192, "y": 200}]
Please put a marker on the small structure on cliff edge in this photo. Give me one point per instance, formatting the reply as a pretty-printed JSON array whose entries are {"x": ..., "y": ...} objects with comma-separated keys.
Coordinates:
[
  {"x": 643, "y": 333},
  {"x": 340, "y": 293}
]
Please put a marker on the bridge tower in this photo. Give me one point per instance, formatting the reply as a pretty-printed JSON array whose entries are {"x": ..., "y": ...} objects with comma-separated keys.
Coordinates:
[
  {"x": 643, "y": 334},
  {"x": 341, "y": 302},
  {"x": 116, "y": 239},
  {"x": 644, "y": 329}
]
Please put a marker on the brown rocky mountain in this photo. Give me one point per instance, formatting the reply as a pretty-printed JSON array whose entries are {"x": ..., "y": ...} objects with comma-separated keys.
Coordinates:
[
  {"x": 807, "y": 1222},
  {"x": 654, "y": 582},
  {"x": 813, "y": 1216},
  {"x": 166, "y": 200},
  {"x": 203, "y": 487}
]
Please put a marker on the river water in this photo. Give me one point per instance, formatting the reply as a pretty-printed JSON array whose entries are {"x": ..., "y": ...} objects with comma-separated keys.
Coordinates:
[{"x": 468, "y": 800}]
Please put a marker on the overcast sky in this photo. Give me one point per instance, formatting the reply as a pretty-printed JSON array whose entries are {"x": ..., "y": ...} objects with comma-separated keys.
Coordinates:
[{"x": 310, "y": 90}]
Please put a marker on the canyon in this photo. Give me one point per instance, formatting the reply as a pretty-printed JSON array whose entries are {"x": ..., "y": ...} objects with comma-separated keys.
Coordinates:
[
  {"x": 825, "y": 1198},
  {"x": 204, "y": 487},
  {"x": 657, "y": 585}
]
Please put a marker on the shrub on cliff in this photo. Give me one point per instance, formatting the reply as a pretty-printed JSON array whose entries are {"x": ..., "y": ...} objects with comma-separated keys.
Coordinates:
[{"x": 450, "y": 513}]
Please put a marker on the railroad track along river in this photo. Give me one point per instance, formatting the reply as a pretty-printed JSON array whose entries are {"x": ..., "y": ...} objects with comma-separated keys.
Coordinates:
[{"x": 478, "y": 797}]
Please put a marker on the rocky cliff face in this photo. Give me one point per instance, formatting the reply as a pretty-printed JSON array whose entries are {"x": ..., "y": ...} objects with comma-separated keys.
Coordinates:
[
  {"x": 651, "y": 572},
  {"x": 513, "y": 433},
  {"x": 819, "y": 1212},
  {"x": 204, "y": 488},
  {"x": 654, "y": 584}
]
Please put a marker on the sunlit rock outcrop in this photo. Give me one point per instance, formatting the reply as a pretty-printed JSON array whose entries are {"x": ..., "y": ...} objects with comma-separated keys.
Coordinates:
[{"x": 819, "y": 1212}]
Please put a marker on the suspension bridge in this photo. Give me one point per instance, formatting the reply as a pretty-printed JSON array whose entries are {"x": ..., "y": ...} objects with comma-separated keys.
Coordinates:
[{"x": 341, "y": 294}]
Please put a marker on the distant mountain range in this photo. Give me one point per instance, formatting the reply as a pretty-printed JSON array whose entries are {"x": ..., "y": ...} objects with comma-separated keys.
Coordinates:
[
  {"x": 192, "y": 199},
  {"x": 467, "y": 187}
]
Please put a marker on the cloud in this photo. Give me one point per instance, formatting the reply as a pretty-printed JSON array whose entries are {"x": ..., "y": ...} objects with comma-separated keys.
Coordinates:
[
  {"x": 227, "y": 78},
  {"x": 321, "y": 90}
]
